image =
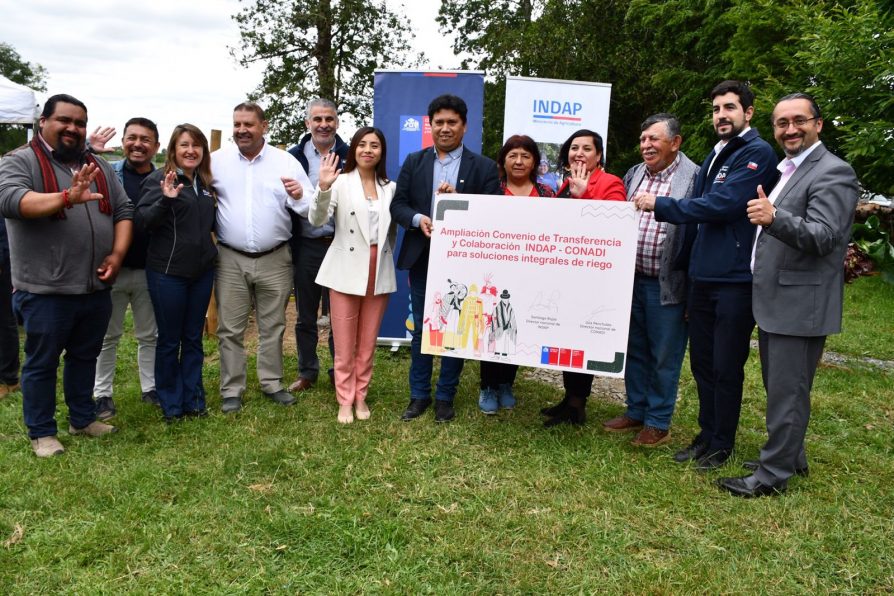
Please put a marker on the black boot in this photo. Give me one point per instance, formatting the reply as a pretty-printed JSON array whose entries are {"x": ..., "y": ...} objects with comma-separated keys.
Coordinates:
[
  {"x": 575, "y": 412},
  {"x": 556, "y": 409}
]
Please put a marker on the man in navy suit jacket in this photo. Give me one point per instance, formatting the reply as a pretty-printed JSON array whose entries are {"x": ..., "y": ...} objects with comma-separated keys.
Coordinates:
[
  {"x": 447, "y": 167},
  {"x": 720, "y": 319},
  {"x": 798, "y": 263}
]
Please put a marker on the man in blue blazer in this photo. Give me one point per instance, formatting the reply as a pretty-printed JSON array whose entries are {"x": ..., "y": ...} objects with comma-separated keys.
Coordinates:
[
  {"x": 720, "y": 319},
  {"x": 444, "y": 168},
  {"x": 798, "y": 263}
]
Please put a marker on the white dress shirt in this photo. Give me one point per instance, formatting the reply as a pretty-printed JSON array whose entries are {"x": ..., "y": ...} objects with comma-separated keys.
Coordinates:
[{"x": 252, "y": 202}]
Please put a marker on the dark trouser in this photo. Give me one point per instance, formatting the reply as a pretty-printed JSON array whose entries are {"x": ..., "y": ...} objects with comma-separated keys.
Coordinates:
[
  {"x": 9, "y": 330},
  {"x": 788, "y": 365},
  {"x": 55, "y": 322},
  {"x": 720, "y": 326},
  {"x": 577, "y": 384},
  {"x": 494, "y": 374},
  {"x": 308, "y": 294},
  {"x": 421, "y": 365},
  {"x": 180, "y": 305}
]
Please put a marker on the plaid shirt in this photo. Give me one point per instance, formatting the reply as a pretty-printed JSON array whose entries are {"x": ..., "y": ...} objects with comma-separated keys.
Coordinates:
[{"x": 650, "y": 243}]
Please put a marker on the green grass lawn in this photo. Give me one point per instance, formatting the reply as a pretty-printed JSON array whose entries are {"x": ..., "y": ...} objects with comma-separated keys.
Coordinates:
[{"x": 285, "y": 500}]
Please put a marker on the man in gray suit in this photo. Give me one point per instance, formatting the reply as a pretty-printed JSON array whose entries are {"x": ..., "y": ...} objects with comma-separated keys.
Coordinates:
[
  {"x": 657, "y": 339},
  {"x": 798, "y": 264}
]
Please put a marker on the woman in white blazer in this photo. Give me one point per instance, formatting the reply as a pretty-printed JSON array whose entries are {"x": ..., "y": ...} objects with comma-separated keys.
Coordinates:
[{"x": 358, "y": 268}]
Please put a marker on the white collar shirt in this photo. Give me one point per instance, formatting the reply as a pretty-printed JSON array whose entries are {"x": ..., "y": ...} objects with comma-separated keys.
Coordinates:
[{"x": 252, "y": 203}]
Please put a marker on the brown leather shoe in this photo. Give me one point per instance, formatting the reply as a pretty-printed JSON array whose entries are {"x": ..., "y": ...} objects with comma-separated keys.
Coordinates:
[
  {"x": 300, "y": 385},
  {"x": 622, "y": 424},
  {"x": 650, "y": 436},
  {"x": 6, "y": 389}
]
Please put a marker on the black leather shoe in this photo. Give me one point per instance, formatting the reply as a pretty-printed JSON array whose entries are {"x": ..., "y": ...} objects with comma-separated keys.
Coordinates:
[
  {"x": 694, "y": 451},
  {"x": 749, "y": 486},
  {"x": 712, "y": 461},
  {"x": 444, "y": 411},
  {"x": 282, "y": 397},
  {"x": 415, "y": 409},
  {"x": 753, "y": 464}
]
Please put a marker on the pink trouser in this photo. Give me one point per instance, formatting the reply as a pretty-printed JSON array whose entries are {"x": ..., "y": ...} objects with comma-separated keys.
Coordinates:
[{"x": 355, "y": 324}]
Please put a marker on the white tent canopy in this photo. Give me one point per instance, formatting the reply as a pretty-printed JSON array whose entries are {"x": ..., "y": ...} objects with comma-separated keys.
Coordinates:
[{"x": 17, "y": 103}]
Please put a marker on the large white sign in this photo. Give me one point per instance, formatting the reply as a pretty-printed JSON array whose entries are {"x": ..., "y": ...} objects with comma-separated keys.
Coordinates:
[
  {"x": 536, "y": 282},
  {"x": 549, "y": 110}
]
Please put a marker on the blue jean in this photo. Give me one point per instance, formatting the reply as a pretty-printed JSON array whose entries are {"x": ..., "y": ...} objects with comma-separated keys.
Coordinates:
[
  {"x": 421, "y": 364},
  {"x": 720, "y": 326},
  {"x": 75, "y": 323},
  {"x": 655, "y": 349},
  {"x": 180, "y": 304}
]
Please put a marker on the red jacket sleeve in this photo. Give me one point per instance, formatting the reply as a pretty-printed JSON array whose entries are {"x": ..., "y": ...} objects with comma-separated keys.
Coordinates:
[{"x": 606, "y": 187}]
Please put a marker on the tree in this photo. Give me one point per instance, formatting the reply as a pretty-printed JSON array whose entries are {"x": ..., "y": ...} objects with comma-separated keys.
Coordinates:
[
  {"x": 318, "y": 48},
  {"x": 17, "y": 70},
  {"x": 580, "y": 40}
]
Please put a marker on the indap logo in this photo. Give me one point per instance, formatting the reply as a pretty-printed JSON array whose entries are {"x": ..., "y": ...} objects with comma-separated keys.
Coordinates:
[{"x": 550, "y": 109}]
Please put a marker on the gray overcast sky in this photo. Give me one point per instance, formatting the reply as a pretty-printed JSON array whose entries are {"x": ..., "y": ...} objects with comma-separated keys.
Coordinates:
[{"x": 125, "y": 58}]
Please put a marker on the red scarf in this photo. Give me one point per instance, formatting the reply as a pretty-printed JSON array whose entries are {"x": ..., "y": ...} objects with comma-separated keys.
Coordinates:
[{"x": 51, "y": 184}]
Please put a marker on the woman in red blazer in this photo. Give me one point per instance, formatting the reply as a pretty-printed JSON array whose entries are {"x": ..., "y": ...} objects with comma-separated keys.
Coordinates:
[{"x": 581, "y": 158}]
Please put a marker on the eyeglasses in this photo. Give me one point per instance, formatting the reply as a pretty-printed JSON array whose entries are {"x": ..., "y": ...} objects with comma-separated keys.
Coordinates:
[{"x": 798, "y": 122}]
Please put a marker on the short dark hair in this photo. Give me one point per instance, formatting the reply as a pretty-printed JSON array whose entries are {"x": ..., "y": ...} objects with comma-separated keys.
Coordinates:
[
  {"x": 448, "y": 102},
  {"x": 566, "y": 146},
  {"x": 814, "y": 107},
  {"x": 144, "y": 122},
  {"x": 351, "y": 159},
  {"x": 250, "y": 106},
  {"x": 673, "y": 125},
  {"x": 49, "y": 108},
  {"x": 746, "y": 96},
  {"x": 518, "y": 142}
]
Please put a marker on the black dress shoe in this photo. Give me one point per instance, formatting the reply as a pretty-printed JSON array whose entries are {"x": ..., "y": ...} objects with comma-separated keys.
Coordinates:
[
  {"x": 444, "y": 411},
  {"x": 753, "y": 464},
  {"x": 415, "y": 409},
  {"x": 712, "y": 461},
  {"x": 694, "y": 451},
  {"x": 749, "y": 486}
]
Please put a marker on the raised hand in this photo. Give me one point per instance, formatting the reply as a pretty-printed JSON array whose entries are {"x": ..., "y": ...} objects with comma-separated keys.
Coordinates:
[
  {"x": 168, "y": 188},
  {"x": 79, "y": 191},
  {"x": 761, "y": 211},
  {"x": 329, "y": 170},
  {"x": 99, "y": 137},
  {"x": 579, "y": 179}
]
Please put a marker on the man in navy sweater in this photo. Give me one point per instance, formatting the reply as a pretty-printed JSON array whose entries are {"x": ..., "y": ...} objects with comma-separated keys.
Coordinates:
[{"x": 720, "y": 318}]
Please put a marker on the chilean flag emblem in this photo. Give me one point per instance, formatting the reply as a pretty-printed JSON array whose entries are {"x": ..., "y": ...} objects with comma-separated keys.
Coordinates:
[{"x": 752, "y": 165}]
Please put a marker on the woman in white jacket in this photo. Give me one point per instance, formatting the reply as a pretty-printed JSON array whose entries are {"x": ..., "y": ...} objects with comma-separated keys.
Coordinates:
[{"x": 358, "y": 268}]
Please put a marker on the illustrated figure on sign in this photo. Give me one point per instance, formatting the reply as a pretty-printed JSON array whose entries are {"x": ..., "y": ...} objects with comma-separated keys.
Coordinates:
[
  {"x": 471, "y": 320},
  {"x": 436, "y": 322},
  {"x": 505, "y": 326},
  {"x": 489, "y": 301},
  {"x": 454, "y": 302}
]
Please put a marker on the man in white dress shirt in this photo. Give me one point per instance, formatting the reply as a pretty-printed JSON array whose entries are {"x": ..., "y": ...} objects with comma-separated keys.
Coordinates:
[{"x": 256, "y": 185}]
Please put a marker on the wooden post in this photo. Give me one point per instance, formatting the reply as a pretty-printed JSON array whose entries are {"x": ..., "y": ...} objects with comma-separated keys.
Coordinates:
[{"x": 211, "y": 315}]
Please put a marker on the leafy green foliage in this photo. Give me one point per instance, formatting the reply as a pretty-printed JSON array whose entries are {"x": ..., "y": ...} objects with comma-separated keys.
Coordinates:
[
  {"x": 666, "y": 56},
  {"x": 874, "y": 239},
  {"x": 327, "y": 48}
]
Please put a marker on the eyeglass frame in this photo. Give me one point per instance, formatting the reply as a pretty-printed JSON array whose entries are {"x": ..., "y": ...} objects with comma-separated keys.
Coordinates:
[{"x": 798, "y": 122}]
